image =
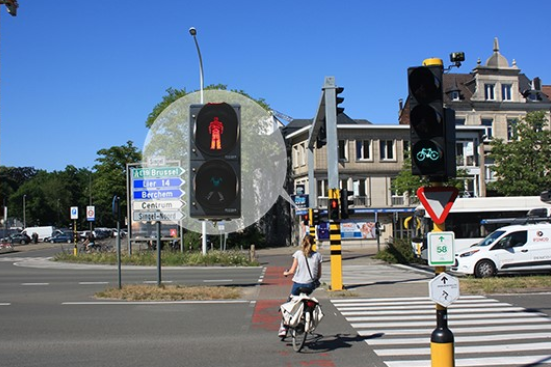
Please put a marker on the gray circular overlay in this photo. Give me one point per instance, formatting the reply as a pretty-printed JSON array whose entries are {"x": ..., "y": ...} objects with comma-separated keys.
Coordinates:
[{"x": 263, "y": 156}]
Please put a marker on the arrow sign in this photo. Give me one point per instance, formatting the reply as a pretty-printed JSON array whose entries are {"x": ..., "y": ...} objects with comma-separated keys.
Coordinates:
[{"x": 437, "y": 201}]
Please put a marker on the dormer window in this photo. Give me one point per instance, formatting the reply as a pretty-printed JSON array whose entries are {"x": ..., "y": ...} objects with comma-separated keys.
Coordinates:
[
  {"x": 489, "y": 92},
  {"x": 455, "y": 96},
  {"x": 506, "y": 92}
]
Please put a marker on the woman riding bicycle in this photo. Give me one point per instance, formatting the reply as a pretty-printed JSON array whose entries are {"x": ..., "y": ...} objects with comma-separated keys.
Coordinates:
[{"x": 306, "y": 271}]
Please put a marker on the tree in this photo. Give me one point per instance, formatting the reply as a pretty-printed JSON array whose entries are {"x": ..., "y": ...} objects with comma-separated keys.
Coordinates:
[
  {"x": 522, "y": 165},
  {"x": 109, "y": 179}
]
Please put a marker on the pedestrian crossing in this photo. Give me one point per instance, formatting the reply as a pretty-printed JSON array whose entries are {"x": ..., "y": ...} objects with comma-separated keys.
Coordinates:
[
  {"x": 361, "y": 275},
  {"x": 486, "y": 332}
]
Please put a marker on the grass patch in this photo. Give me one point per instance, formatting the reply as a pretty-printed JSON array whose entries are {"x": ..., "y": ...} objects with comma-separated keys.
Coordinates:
[
  {"x": 168, "y": 258},
  {"x": 504, "y": 284},
  {"x": 169, "y": 293}
]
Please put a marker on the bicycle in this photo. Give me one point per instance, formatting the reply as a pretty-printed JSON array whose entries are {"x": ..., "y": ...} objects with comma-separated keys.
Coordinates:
[{"x": 301, "y": 315}]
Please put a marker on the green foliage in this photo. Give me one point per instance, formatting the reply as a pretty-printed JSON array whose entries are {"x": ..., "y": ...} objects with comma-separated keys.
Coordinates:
[
  {"x": 168, "y": 258},
  {"x": 522, "y": 164},
  {"x": 109, "y": 179},
  {"x": 399, "y": 252}
]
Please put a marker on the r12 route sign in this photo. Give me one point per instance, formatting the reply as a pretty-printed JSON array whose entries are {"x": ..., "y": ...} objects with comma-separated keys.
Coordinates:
[{"x": 440, "y": 248}]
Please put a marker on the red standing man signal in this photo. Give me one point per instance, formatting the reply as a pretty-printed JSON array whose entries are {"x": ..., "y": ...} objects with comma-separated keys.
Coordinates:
[{"x": 216, "y": 129}]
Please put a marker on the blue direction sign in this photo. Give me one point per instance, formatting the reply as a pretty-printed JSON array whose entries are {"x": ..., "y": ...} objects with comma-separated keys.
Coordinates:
[
  {"x": 159, "y": 183},
  {"x": 157, "y": 194}
]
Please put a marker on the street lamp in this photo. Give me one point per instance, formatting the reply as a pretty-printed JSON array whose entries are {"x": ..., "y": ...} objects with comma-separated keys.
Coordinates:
[
  {"x": 193, "y": 33},
  {"x": 24, "y": 212}
]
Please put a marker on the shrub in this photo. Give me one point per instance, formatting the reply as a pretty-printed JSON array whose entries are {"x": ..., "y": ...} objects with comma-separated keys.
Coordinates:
[{"x": 399, "y": 252}]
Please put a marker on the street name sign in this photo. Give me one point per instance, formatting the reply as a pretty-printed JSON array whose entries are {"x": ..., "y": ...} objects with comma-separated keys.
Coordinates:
[
  {"x": 440, "y": 247},
  {"x": 444, "y": 289}
]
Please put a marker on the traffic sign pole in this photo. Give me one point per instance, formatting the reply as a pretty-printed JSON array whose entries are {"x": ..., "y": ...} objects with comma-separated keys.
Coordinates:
[{"x": 441, "y": 339}]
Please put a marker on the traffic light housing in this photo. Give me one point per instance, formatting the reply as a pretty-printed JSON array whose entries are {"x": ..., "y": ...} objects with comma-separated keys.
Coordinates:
[
  {"x": 432, "y": 130},
  {"x": 305, "y": 219},
  {"x": 321, "y": 140},
  {"x": 333, "y": 210},
  {"x": 315, "y": 217},
  {"x": 11, "y": 6},
  {"x": 215, "y": 161},
  {"x": 345, "y": 204},
  {"x": 339, "y": 100}
]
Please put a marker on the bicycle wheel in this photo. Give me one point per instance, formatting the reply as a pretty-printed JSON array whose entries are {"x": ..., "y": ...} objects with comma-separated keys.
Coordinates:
[{"x": 299, "y": 335}]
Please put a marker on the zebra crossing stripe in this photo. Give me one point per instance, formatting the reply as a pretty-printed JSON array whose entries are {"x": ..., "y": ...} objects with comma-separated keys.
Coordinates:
[
  {"x": 487, "y": 332},
  {"x": 480, "y": 362}
]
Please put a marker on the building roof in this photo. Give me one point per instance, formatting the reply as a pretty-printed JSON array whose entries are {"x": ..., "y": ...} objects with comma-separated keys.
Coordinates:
[{"x": 342, "y": 119}]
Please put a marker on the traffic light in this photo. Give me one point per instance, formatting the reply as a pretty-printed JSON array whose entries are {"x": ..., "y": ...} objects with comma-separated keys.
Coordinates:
[
  {"x": 432, "y": 134},
  {"x": 305, "y": 219},
  {"x": 333, "y": 211},
  {"x": 345, "y": 203},
  {"x": 321, "y": 140},
  {"x": 11, "y": 6},
  {"x": 215, "y": 161},
  {"x": 315, "y": 217},
  {"x": 339, "y": 100}
]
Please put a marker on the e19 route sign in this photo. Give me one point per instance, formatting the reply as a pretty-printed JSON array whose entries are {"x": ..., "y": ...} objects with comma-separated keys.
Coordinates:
[{"x": 156, "y": 194}]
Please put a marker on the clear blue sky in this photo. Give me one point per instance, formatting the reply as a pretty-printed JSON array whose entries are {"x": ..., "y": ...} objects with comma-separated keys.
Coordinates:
[{"x": 78, "y": 76}]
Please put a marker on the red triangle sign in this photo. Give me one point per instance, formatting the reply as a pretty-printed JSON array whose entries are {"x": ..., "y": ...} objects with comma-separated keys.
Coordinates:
[{"x": 437, "y": 201}]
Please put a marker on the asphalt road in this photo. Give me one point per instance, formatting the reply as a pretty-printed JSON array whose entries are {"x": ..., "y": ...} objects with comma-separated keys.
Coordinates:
[{"x": 50, "y": 318}]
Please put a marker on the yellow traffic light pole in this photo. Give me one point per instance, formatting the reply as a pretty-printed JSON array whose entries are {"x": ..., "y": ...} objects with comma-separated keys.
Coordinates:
[{"x": 335, "y": 247}]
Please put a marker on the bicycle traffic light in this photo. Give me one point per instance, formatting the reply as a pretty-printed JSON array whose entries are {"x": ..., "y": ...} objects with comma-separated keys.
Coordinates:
[
  {"x": 432, "y": 134},
  {"x": 333, "y": 211},
  {"x": 215, "y": 161}
]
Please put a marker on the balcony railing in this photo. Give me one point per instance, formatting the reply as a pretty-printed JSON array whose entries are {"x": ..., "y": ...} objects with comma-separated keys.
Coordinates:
[{"x": 365, "y": 202}]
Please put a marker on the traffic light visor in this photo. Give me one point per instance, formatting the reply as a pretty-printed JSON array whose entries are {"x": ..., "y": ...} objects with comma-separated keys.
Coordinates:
[{"x": 424, "y": 84}]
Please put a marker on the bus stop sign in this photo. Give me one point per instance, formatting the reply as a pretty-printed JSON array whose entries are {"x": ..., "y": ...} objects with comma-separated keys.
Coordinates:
[{"x": 437, "y": 201}]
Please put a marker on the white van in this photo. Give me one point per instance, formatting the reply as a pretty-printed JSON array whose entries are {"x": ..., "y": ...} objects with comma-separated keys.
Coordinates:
[
  {"x": 516, "y": 248},
  {"x": 42, "y": 232}
]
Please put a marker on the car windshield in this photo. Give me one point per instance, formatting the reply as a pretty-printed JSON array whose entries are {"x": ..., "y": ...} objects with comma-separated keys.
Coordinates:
[{"x": 488, "y": 240}]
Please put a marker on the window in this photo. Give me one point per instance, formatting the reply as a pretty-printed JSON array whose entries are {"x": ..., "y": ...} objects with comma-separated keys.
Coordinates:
[
  {"x": 459, "y": 121},
  {"x": 488, "y": 124},
  {"x": 295, "y": 156},
  {"x": 455, "y": 96},
  {"x": 407, "y": 148},
  {"x": 511, "y": 129},
  {"x": 386, "y": 150},
  {"x": 506, "y": 92},
  {"x": 489, "y": 92},
  {"x": 343, "y": 150},
  {"x": 363, "y": 150}
]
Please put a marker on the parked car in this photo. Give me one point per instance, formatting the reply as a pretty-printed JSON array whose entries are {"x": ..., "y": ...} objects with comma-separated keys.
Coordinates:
[
  {"x": 62, "y": 237},
  {"x": 20, "y": 238},
  {"x": 516, "y": 248}
]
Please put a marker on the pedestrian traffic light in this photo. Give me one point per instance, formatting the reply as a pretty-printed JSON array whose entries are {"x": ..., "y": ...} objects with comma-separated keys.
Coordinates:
[
  {"x": 315, "y": 217},
  {"x": 333, "y": 211},
  {"x": 339, "y": 100},
  {"x": 215, "y": 161},
  {"x": 430, "y": 135}
]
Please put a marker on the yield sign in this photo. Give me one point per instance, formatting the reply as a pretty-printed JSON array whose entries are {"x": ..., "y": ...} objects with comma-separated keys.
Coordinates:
[{"x": 437, "y": 201}]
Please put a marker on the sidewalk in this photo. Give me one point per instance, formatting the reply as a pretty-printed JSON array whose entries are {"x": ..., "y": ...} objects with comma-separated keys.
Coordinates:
[{"x": 362, "y": 275}]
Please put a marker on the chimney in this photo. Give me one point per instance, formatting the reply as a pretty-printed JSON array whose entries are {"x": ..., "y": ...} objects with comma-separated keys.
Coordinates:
[{"x": 536, "y": 83}]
